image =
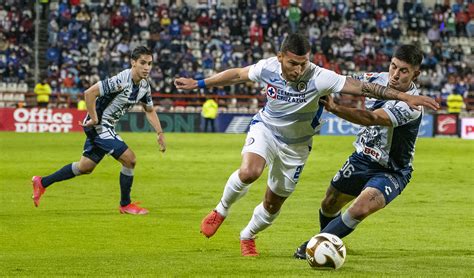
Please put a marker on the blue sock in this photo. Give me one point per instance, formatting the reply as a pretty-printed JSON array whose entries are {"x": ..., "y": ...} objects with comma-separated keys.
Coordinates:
[
  {"x": 324, "y": 220},
  {"x": 126, "y": 180},
  {"x": 64, "y": 173},
  {"x": 341, "y": 226}
]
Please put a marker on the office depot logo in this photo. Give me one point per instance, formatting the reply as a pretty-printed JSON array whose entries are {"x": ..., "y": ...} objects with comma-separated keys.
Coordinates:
[{"x": 42, "y": 120}]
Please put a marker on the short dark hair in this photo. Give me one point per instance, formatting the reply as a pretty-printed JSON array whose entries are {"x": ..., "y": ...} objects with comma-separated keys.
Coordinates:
[
  {"x": 410, "y": 54},
  {"x": 296, "y": 43},
  {"x": 140, "y": 50}
]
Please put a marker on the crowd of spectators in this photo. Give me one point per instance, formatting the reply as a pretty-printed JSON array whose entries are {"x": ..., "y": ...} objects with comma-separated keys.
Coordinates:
[
  {"x": 91, "y": 42},
  {"x": 16, "y": 44}
]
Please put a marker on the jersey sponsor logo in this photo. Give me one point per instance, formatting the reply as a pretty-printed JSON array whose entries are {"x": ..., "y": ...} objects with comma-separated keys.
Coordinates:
[
  {"x": 372, "y": 152},
  {"x": 249, "y": 141},
  {"x": 282, "y": 95},
  {"x": 301, "y": 86},
  {"x": 271, "y": 91}
]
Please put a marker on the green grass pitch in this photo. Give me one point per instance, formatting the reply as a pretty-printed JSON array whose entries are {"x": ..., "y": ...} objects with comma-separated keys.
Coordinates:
[{"x": 77, "y": 230}]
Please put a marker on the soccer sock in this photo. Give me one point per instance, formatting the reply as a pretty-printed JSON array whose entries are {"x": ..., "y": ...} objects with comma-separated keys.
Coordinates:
[
  {"x": 234, "y": 190},
  {"x": 325, "y": 218},
  {"x": 126, "y": 180},
  {"x": 342, "y": 225},
  {"x": 261, "y": 219},
  {"x": 69, "y": 171}
]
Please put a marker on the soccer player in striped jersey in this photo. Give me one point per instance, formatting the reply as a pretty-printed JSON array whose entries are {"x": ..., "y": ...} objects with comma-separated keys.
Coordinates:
[
  {"x": 381, "y": 166},
  {"x": 107, "y": 101},
  {"x": 281, "y": 133}
]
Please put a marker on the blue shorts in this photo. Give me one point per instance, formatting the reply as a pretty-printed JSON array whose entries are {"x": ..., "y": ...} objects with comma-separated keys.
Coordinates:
[
  {"x": 98, "y": 144},
  {"x": 360, "y": 172}
]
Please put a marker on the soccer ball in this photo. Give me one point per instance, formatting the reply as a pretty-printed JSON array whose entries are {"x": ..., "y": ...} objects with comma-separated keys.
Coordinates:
[{"x": 325, "y": 251}]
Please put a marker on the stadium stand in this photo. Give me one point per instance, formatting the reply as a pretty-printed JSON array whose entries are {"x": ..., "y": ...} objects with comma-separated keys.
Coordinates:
[{"x": 90, "y": 40}]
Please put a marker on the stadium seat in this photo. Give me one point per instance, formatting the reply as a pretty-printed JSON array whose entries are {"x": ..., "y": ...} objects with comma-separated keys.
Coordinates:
[
  {"x": 198, "y": 109},
  {"x": 233, "y": 103},
  {"x": 253, "y": 103},
  {"x": 464, "y": 41},
  {"x": 3, "y": 87},
  {"x": 12, "y": 87},
  {"x": 22, "y": 88},
  {"x": 467, "y": 50},
  {"x": 197, "y": 53},
  {"x": 453, "y": 41},
  {"x": 243, "y": 110},
  {"x": 2, "y": 104},
  {"x": 253, "y": 110},
  {"x": 8, "y": 97},
  {"x": 190, "y": 109},
  {"x": 179, "y": 109},
  {"x": 222, "y": 110},
  {"x": 232, "y": 110}
]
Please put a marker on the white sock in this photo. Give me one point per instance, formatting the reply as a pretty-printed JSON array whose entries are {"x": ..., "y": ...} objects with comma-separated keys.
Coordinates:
[
  {"x": 234, "y": 190},
  {"x": 261, "y": 219},
  {"x": 349, "y": 221}
]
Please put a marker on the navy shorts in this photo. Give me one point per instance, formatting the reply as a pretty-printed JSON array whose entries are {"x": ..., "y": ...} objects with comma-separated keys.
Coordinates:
[
  {"x": 98, "y": 144},
  {"x": 360, "y": 172}
]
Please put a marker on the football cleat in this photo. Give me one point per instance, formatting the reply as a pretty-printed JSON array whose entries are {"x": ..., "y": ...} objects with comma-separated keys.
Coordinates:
[
  {"x": 248, "y": 248},
  {"x": 211, "y": 223},
  {"x": 133, "y": 208},
  {"x": 38, "y": 190},
  {"x": 300, "y": 252}
]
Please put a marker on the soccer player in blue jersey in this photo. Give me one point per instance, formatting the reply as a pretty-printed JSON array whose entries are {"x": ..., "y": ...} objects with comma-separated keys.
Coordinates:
[
  {"x": 281, "y": 133},
  {"x": 381, "y": 166},
  {"x": 107, "y": 101}
]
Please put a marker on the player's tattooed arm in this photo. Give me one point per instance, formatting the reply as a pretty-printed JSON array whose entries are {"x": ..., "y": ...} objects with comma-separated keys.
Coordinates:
[{"x": 355, "y": 87}]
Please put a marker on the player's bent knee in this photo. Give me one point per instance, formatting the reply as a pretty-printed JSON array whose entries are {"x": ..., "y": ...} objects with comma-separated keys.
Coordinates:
[{"x": 248, "y": 175}]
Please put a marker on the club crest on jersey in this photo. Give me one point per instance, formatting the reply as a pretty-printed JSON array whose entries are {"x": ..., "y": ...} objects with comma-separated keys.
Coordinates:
[
  {"x": 301, "y": 86},
  {"x": 249, "y": 141},
  {"x": 271, "y": 91}
]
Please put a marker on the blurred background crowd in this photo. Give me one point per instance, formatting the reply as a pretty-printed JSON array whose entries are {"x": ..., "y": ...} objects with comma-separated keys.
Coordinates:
[{"x": 86, "y": 41}]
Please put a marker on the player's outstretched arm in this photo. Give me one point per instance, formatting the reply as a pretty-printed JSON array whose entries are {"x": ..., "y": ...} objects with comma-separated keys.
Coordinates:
[
  {"x": 225, "y": 78},
  {"x": 355, "y": 87},
  {"x": 357, "y": 116},
  {"x": 89, "y": 97},
  {"x": 154, "y": 121}
]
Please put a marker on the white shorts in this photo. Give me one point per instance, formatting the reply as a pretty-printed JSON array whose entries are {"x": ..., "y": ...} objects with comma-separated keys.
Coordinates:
[{"x": 285, "y": 162}]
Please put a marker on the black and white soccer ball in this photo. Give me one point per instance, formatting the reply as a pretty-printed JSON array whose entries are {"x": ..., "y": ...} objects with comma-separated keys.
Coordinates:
[{"x": 325, "y": 251}]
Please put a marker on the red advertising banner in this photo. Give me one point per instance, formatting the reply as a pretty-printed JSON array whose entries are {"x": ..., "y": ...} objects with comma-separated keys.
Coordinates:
[
  {"x": 40, "y": 120},
  {"x": 447, "y": 125}
]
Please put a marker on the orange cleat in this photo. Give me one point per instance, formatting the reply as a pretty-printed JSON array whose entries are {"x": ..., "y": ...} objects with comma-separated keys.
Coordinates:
[
  {"x": 248, "y": 248},
  {"x": 133, "y": 208},
  {"x": 211, "y": 223},
  {"x": 38, "y": 190}
]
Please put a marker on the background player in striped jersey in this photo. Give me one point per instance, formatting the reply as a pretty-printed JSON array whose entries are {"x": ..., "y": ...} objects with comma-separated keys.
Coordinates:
[
  {"x": 107, "y": 101},
  {"x": 381, "y": 167},
  {"x": 280, "y": 135}
]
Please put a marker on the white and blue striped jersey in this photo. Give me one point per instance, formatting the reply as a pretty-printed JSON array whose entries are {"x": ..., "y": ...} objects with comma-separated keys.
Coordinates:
[
  {"x": 118, "y": 95},
  {"x": 393, "y": 147},
  {"x": 292, "y": 110}
]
